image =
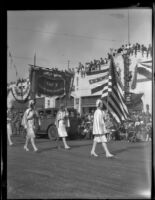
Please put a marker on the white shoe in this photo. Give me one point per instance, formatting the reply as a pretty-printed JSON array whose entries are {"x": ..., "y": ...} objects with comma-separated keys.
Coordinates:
[
  {"x": 93, "y": 154},
  {"x": 35, "y": 149},
  {"x": 26, "y": 148},
  {"x": 109, "y": 156},
  {"x": 67, "y": 147},
  {"x": 11, "y": 144}
]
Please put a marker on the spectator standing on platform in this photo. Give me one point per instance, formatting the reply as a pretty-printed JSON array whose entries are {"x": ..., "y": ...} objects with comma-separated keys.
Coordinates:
[
  {"x": 61, "y": 124},
  {"x": 28, "y": 122},
  {"x": 99, "y": 129},
  {"x": 101, "y": 61},
  {"x": 147, "y": 115}
]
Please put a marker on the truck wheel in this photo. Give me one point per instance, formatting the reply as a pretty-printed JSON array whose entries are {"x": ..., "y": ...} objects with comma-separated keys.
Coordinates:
[{"x": 52, "y": 133}]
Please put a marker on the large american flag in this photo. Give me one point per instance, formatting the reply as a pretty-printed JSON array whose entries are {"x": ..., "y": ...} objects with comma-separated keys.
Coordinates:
[
  {"x": 113, "y": 97},
  {"x": 98, "y": 81},
  {"x": 145, "y": 68}
]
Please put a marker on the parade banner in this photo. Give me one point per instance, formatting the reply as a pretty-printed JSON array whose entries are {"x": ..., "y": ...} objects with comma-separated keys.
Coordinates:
[
  {"x": 50, "y": 82},
  {"x": 51, "y": 86}
]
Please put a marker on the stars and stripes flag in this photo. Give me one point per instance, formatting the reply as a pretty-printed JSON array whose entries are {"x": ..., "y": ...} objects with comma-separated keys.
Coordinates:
[
  {"x": 98, "y": 81},
  {"x": 113, "y": 97},
  {"x": 145, "y": 68}
]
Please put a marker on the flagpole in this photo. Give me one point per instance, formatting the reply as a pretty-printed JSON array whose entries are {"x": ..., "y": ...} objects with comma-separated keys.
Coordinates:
[
  {"x": 108, "y": 83},
  {"x": 33, "y": 79},
  {"x": 128, "y": 28}
]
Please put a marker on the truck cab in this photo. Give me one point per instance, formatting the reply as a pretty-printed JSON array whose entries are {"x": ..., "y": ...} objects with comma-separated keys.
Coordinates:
[{"x": 47, "y": 117}]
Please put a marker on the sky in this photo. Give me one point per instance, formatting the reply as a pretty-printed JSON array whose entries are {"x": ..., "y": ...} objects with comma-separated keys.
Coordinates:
[{"x": 59, "y": 36}]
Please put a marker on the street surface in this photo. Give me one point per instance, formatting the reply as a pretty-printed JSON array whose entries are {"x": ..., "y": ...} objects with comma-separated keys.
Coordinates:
[{"x": 52, "y": 173}]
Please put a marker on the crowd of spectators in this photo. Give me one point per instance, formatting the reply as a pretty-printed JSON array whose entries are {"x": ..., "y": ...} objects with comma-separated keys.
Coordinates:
[
  {"x": 94, "y": 65},
  {"x": 138, "y": 128},
  {"x": 85, "y": 125},
  {"x": 129, "y": 49},
  {"x": 133, "y": 49},
  {"x": 17, "y": 128}
]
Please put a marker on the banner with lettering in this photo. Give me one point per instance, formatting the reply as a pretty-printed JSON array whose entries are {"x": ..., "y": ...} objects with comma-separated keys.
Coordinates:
[{"x": 50, "y": 82}]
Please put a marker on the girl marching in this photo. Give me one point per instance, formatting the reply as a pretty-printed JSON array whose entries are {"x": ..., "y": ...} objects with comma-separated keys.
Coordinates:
[
  {"x": 29, "y": 124},
  {"x": 62, "y": 122},
  {"x": 99, "y": 130}
]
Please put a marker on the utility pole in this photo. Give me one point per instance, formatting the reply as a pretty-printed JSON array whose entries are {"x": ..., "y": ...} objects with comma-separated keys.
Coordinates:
[
  {"x": 68, "y": 64},
  {"x": 128, "y": 28},
  {"x": 33, "y": 79}
]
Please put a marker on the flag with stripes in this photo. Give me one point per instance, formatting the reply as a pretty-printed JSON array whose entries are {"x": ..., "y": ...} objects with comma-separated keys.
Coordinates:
[
  {"x": 98, "y": 81},
  {"x": 145, "y": 69},
  {"x": 113, "y": 97}
]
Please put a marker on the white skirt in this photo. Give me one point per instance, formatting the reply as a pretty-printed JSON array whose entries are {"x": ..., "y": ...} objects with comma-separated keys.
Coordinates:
[
  {"x": 30, "y": 133},
  {"x": 100, "y": 139},
  {"x": 9, "y": 129},
  {"x": 62, "y": 129}
]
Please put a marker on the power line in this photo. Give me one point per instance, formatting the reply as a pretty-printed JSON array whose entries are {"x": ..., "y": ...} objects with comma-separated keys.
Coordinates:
[{"x": 64, "y": 34}]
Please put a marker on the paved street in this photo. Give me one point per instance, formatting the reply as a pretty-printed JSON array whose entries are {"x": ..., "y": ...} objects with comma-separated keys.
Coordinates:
[{"x": 52, "y": 173}]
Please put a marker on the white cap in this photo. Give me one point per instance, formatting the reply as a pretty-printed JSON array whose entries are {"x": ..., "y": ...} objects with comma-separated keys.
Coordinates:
[
  {"x": 31, "y": 102},
  {"x": 98, "y": 101}
]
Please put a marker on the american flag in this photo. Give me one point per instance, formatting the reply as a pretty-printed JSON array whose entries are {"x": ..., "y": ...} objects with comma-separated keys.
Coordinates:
[
  {"x": 113, "y": 97},
  {"x": 98, "y": 81},
  {"x": 145, "y": 69}
]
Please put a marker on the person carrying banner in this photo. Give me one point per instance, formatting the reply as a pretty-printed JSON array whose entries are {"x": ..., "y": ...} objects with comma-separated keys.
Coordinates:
[
  {"x": 99, "y": 130},
  {"x": 62, "y": 122},
  {"x": 28, "y": 122}
]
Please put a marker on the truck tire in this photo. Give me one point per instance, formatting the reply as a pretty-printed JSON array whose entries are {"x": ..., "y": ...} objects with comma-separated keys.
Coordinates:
[{"x": 52, "y": 132}]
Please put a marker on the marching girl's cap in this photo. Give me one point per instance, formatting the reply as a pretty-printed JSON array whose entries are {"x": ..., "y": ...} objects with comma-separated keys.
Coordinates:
[
  {"x": 31, "y": 102},
  {"x": 98, "y": 102},
  {"x": 62, "y": 105}
]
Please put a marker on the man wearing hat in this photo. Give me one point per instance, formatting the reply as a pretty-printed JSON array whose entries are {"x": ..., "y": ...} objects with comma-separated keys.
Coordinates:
[
  {"x": 62, "y": 122},
  {"x": 99, "y": 129},
  {"x": 29, "y": 124}
]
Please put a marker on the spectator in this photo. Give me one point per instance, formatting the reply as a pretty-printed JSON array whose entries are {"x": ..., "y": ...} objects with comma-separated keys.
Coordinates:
[{"x": 102, "y": 61}]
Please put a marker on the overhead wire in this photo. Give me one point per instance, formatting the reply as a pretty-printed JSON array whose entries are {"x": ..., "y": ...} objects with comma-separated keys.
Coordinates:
[{"x": 64, "y": 34}]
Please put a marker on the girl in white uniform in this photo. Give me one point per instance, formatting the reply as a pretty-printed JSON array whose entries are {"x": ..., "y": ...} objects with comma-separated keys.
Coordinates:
[
  {"x": 9, "y": 126},
  {"x": 99, "y": 129},
  {"x": 29, "y": 124},
  {"x": 62, "y": 122}
]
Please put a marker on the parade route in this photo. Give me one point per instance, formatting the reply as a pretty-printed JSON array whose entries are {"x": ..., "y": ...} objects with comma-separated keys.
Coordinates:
[{"x": 52, "y": 173}]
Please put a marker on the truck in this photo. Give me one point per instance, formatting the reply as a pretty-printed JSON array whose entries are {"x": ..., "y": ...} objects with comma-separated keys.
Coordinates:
[{"x": 47, "y": 117}]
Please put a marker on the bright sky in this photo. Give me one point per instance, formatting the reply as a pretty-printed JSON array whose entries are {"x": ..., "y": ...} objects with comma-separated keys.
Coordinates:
[{"x": 74, "y": 35}]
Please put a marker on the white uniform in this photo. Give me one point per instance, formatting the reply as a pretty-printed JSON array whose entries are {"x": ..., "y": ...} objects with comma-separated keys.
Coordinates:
[
  {"x": 9, "y": 127},
  {"x": 61, "y": 123},
  {"x": 29, "y": 122},
  {"x": 99, "y": 129}
]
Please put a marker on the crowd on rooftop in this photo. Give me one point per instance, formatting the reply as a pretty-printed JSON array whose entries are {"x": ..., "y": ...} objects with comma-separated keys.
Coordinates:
[{"x": 128, "y": 49}]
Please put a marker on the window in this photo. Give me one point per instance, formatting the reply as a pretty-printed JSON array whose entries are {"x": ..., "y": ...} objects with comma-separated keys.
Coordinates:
[
  {"x": 48, "y": 112},
  {"x": 48, "y": 103}
]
